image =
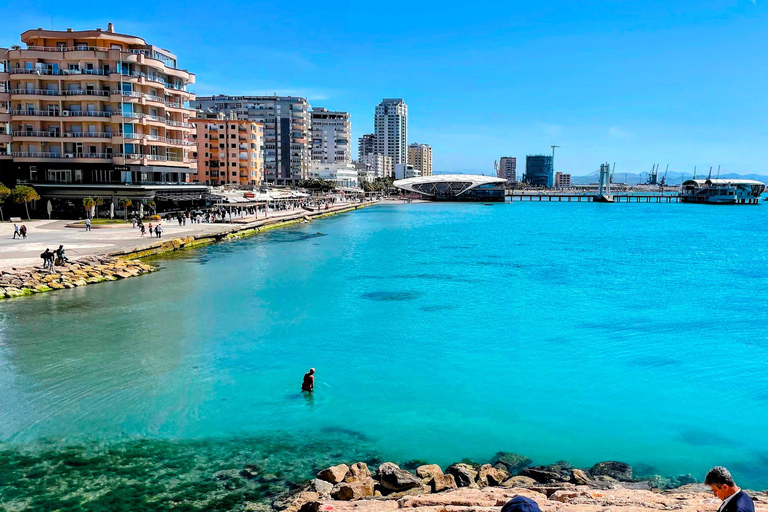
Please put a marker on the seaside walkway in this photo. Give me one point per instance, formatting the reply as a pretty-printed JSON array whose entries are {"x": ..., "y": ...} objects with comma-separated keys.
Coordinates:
[{"x": 42, "y": 234}]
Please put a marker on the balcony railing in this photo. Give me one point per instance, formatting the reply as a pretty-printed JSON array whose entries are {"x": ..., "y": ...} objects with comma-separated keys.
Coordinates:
[
  {"x": 48, "y": 92},
  {"x": 24, "y": 154},
  {"x": 154, "y": 158},
  {"x": 89, "y": 135},
  {"x": 139, "y": 115},
  {"x": 157, "y": 138},
  {"x": 60, "y": 72}
]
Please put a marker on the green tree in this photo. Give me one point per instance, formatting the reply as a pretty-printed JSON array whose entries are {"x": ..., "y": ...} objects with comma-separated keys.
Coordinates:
[
  {"x": 23, "y": 194},
  {"x": 125, "y": 203},
  {"x": 88, "y": 203},
  {"x": 5, "y": 192}
]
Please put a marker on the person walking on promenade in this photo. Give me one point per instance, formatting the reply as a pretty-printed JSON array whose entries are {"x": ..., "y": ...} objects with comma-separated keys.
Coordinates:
[
  {"x": 16, "y": 231},
  {"x": 133, "y": 222},
  {"x": 87, "y": 224},
  {"x": 734, "y": 499},
  {"x": 151, "y": 229},
  {"x": 143, "y": 229},
  {"x": 23, "y": 231},
  {"x": 159, "y": 231},
  {"x": 308, "y": 384}
]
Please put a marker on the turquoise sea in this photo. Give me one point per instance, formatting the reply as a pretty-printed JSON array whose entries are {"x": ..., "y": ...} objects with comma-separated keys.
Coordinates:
[{"x": 563, "y": 331}]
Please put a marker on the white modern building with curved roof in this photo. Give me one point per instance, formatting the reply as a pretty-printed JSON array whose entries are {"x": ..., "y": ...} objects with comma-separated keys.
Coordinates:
[{"x": 455, "y": 187}]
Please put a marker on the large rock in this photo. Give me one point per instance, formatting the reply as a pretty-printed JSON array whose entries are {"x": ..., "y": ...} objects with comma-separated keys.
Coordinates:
[
  {"x": 358, "y": 472},
  {"x": 428, "y": 471},
  {"x": 334, "y": 474},
  {"x": 581, "y": 477},
  {"x": 490, "y": 475},
  {"x": 442, "y": 482},
  {"x": 544, "y": 474},
  {"x": 519, "y": 481},
  {"x": 464, "y": 474},
  {"x": 394, "y": 479},
  {"x": 514, "y": 462},
  {"x": 321, "y": 487},
  {"x": 294, "y": 500},
  {"x": 618, "y": 470},
  {"x": 353, "y": 490}
]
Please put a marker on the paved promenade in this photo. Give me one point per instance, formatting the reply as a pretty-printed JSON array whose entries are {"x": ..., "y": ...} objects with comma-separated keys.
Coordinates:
[{"x": 42, "y": 234}]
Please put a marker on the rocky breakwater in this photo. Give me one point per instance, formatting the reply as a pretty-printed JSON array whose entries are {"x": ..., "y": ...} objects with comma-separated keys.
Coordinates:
[
  {"x": 19, "y": 282},
  {"x": 470, "y": 487}
]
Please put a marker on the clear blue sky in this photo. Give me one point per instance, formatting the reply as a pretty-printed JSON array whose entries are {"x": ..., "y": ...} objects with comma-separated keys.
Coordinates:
[{"x": 633, "y": 82}]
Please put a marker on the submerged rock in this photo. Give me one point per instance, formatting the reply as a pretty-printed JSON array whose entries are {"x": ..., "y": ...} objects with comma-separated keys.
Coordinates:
[
  {"x": 618, "y": 470},
  {"x": 514, "y": 462}
]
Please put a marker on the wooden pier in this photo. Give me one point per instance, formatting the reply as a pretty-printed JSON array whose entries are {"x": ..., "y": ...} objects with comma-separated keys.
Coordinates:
[{"x": 588, "y": 198}]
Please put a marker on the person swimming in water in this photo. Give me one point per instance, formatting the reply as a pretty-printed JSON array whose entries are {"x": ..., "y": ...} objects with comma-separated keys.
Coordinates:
[{"x": 309, "y": 381}]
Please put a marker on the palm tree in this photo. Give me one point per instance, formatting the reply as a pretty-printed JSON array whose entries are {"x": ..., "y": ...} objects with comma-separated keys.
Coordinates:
[
  {"x": 24, "y": 194},
  {"x": 125, "y": 203},
  {"x": 99, "y": 201}
]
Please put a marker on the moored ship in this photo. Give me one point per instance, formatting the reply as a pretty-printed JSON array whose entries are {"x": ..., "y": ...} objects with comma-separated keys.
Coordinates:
[{"x": 722, "y": 191}]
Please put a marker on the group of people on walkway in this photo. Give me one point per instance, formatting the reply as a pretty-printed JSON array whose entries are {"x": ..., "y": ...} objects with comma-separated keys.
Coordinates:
[
  {"x": 53, "y": 258},
  {"x": 19, "y": 231},
  {"x": 157, "y": 230}
]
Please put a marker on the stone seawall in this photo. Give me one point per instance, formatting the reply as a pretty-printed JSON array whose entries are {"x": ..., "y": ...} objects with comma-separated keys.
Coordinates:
[{"x": 20, "y": 282}]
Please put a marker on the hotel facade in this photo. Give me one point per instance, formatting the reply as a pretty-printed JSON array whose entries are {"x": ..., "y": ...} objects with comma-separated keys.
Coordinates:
[{"x": 97, "y": 113}]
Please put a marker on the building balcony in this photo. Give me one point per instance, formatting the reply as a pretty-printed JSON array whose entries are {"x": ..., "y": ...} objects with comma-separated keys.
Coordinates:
[
  {"x": 24, "y": 134},
  {"x": 60, "y": 72},
  {"x": 53, "y": 157},
  {"x": 144, "y": 159},
  {"x": 63, "y": 113}
]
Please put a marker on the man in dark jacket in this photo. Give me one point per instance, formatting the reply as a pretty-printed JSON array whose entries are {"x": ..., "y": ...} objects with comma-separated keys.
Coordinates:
[{"x": 734, "y": 499}]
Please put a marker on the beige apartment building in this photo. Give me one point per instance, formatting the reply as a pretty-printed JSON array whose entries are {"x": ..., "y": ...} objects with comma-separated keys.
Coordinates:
[
  {"x": 420, "y": 157},
  {"x": 95, "y": 112},
  {"x": 229, "y": 151}
]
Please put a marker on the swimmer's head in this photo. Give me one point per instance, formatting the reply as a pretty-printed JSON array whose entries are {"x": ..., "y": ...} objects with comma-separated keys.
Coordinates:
[{"x": 311, "y": 371}]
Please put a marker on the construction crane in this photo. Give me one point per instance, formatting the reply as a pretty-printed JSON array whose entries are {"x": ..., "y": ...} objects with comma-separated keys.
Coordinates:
[
  {"x": 664, "y": 179},
  {"x": 653, "y": 176}
]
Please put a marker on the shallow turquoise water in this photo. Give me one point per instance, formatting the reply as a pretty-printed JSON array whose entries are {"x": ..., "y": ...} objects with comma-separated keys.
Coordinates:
[{"x": 573, "y": 331}]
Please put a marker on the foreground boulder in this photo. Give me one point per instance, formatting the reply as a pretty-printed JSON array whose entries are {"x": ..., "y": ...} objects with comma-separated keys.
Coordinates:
[
  {"x": 617, "y": 470},
  {"x": 428, "y": 471},
  {"x": 545, "y": 474},
  {"x": 464, "y": 474},
  {"x": 334, "y": 474},
  {"x": 490, "y": 475},
  {"x": 394, "y": 479},
  {"x": 442, "y": 482},
  {"x": 353, "y": 490},
  {"x": 358, "y": 472}
]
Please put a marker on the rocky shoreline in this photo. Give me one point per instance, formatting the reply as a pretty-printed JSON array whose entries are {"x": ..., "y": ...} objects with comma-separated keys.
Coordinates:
[
  {"x": 20, "y": 282},
  {"x": 469, "y": 487}
]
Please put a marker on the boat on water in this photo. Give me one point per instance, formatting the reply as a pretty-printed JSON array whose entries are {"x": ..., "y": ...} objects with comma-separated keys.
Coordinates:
[{"x": 722, "y": 191}]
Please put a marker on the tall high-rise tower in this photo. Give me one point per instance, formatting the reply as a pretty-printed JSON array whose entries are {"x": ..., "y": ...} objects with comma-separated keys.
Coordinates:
[{"x": 391, "y": 124}]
